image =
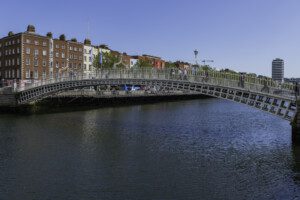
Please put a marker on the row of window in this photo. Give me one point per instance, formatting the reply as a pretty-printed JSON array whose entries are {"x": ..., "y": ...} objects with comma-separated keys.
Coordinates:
[
  {"x": 28, "y": 41},
  {"x": 75, "y": 57},
  {"x": 87, "y": 67},
  {"x": 11, "y": 73},
  {"x": 10, "y": 62},
  {"x": 35, "y": 52},
  {"x": 75, "y": 49},
  {"x": 90, "y": 59},
  {"x": 10, "y": 42},
  {"x": 9, "y": 52}
]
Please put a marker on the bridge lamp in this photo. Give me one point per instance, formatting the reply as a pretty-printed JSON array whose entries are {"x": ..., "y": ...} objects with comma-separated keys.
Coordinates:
[{"x": 196, "y": 55}]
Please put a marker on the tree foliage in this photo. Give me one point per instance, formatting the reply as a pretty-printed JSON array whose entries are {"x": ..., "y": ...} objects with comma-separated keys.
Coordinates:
[
  {"x": 108, "y": 61},
  {"x": 170, "y": 64},
  {"x": 142, "y": 63}
]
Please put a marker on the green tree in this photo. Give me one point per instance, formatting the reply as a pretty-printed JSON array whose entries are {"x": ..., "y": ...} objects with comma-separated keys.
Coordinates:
[
  {"x": 170, "y": 64},
  {"x": 206, "y": 68},
  {"x": 142, "y": 63},
  {"x": 108, "y": 61}
]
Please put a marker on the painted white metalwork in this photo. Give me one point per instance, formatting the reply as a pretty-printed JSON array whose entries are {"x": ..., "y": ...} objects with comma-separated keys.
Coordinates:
[{"x": 262, "y": 94}]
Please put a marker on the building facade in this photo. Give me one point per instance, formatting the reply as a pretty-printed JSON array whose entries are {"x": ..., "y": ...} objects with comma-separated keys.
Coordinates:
[
  {"x": 278, "y": 70},
  {"x": 28, "y": 57},
  {"x": 90, "y": 53},
  {"x": 156, "y": 62}
]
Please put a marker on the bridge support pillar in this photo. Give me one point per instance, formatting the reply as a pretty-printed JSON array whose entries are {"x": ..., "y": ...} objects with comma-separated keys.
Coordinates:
[{"x": 296, "y": 127}]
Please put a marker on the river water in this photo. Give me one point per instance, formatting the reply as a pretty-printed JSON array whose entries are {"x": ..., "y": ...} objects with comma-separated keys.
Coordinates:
[{"x": 196, "y": 149}]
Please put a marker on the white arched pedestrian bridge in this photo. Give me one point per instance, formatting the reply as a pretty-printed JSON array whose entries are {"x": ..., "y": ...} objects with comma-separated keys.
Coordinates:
[{"x": 261, "y": 94}]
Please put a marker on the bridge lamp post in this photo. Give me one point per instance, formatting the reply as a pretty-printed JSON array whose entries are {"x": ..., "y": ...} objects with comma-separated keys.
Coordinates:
[{"x": 196, "y": 52}]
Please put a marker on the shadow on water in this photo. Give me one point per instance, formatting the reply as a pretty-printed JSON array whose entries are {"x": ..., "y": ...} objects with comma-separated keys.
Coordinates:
[
  {"x": 296, "y": 167},
  {"x": 71, "y": 104}
]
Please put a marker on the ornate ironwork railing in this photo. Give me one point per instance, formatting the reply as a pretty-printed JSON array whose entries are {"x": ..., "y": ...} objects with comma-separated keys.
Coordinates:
[{"x": 227, "y": 80}]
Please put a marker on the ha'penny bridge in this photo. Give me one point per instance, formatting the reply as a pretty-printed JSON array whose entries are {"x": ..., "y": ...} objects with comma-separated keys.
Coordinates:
[{"x": 259, "y": 93}]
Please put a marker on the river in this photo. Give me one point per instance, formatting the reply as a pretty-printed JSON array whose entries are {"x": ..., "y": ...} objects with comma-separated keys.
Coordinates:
[{"x": 195, "y": 149}]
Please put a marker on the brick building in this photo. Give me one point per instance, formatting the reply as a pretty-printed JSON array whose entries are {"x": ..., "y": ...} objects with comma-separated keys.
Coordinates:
[
  {"x": 29, "y": 57},
  {"x": 156, "y": 62}
]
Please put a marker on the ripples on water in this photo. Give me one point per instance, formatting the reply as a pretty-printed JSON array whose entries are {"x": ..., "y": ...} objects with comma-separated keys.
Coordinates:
[{"x": 200, "y": 149}]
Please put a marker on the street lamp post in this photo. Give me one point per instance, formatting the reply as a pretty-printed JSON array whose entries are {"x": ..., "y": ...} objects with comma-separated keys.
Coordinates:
[{"x": 196, "y": 52}]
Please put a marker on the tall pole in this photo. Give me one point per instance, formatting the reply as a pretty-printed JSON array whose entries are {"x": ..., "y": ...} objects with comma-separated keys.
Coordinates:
[{"x": 196, "y": 56}]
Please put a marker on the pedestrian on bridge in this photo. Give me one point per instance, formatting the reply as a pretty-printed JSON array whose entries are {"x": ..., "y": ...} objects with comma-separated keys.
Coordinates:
[
  {"x": 180, "y": 74},
  {"x": 185, "y": 74}
]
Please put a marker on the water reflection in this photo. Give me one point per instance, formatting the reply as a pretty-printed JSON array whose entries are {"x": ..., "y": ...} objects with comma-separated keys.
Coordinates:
[{"x": 200, "y": 149}]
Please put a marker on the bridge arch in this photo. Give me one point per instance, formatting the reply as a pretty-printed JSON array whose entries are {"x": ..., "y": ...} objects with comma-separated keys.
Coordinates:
[{"x": 277, "y": 105}]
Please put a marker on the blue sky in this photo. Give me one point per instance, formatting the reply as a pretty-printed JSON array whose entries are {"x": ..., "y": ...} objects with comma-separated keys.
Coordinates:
[{"x": 244, "y": 35}]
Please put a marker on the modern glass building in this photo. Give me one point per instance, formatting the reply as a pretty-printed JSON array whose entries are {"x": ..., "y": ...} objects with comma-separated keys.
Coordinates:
[{"x": 278, "y": 70}]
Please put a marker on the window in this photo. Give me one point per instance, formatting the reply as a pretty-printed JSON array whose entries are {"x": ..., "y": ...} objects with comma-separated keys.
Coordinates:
[
  {"x": 36, "y": 74},
  {"x": 13, "y": 62},
  {"x": 44, "y": 63},
  {"x": 27, "y": 41},
  {"x": 36, "y": 42},
  {"x": 56, "y": 54},
  {"x": 57, "y": 46},
  {"x": 36, "y": 62},
  {"x": 63, "y": 55},
  {"x": 85, "y": 66},
  {"x": 9, "y": 74},
  {"x": 62, "y": 64},
  {"x": 27, "y": 73},
  {"x": 18, "y": 61},
  {"x": 27, "y": 50},
  {"x": 75, "y": 48},
  {"x": 8, "y": 62},
  {"x": 18, "y": 41},
  {"x": 0, "y": 53},
  {"x": 90, "y": 59},
  {"x": 36, "y": 52},
  {"x": 13, "y": 51},
  {"x": 80, "y": 49},
  {"x": 18, "y": 73},
  {"x": 80, "y": 57},
  {"x": 13, "y": 42},
  {"x": 63, "y": 46},
  {"x": 84, "y": 58},
  {"x": 44, "y": 44},
  {"x": 13, "y": 73},
  {"x": 44, "y": 52},
  {"x": 57, "y": 65},
  {"x": 9, "y": 51},
  {"x": 44, "y": 74},
  {"x": 71, "y": 48},
  {"x": 18, "y": 50}
]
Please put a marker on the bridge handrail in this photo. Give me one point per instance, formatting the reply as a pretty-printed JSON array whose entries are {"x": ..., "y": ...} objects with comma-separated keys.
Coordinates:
[{"x": 212, "y": 77}]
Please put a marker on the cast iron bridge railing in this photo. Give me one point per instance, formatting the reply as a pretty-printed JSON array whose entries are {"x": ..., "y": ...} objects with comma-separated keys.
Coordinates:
[{"x": 263, "y": 94}]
